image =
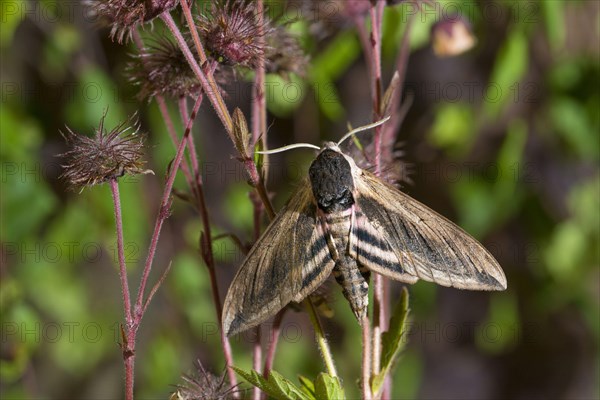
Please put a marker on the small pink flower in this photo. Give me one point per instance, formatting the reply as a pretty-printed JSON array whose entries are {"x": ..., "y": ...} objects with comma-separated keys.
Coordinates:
[{"x": 452, "y": 36}]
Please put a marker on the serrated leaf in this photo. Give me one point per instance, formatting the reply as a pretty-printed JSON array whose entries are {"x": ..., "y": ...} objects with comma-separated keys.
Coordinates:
[
  {"x": 391, "y": 341},
  {"x": 308, "y": 386},
  {"x": 276, "y": 386},
  {"x": 328, "y": 387}
]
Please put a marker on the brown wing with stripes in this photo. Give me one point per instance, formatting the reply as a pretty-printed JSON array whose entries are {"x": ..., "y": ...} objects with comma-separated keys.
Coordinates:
[
  {"x": 404, "y": 240},
  {"x": 287, "y": 263}
]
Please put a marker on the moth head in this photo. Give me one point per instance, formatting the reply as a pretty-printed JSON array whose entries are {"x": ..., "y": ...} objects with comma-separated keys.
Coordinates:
[
  {"x": 331, "y": 173},
  {"x": 331, "y": 180}
]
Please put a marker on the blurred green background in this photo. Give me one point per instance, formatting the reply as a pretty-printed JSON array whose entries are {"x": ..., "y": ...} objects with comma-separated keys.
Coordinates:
[{"x": 503, "y": 140}]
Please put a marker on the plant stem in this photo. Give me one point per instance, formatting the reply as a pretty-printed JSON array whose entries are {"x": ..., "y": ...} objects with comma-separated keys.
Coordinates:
[
  {"x": 114, "y": 187},
  {"x": 209, "y": 85},
  {"x": 206, "y": 241},
  {"x": 259, "y": 106},
  {"x": 366, "y": 358},
  {"x": 211, "y": 90},
  {"x": 372, "y": 49},
  {"x": 162, "y": 106},
  {"x": 401, "y": 63},
  {"x": 259, "y": 127},
  {"x": 163, "y": 213},
  {"x": 273, "y": 341},
  {"x": 164, "y": 111},
  {"x": 128, "y": 333},
  {"x": 191, "y": 147},
  {"x": 320, "y": 336},
  {"x": 378, "y": 321},
  {"x": 257, "y": 360}
]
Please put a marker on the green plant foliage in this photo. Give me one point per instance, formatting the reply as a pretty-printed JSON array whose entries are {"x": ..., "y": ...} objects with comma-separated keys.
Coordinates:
[
  {"x": 486, "y": 201},
  {"x": 11, "y": 18},
  {"x": 328, "y": 67},
  {"x": 575, "y": 125},
  {"x": 511, "y": 65},
  {"x": 93, "y": 94},
  {"x": 25, "y": 196},
  {"x": 325, "y": 387},
  {"x": 392, "y": 341},
  {"x": 328, "y": 387},
  {"x": 500, "y": 332},
  {"x": 307, "y": 385},
  {"x": 284, "y": 95},
  {"x": 553, "y": 12},
  {"x": 275, "y": 386},
  {"x": 454, "y": 128}
]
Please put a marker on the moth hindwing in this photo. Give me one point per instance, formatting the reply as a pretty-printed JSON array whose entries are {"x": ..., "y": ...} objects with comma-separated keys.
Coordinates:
[{"x": 346, "y": 221}]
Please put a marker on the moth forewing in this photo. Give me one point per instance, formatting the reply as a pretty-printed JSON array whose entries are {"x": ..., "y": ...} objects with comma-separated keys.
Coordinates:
[
  {"x": 426, "y": 244},
  {"x": 287, "y": 263}
]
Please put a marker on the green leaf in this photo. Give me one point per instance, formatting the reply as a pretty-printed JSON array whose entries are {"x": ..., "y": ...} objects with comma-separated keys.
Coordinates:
[
  {"x": 94, "y": 92},
  {"x": 554, "y": 18},
  {"x": 499, "y": 334},
  {"x": 454, "y": 128},
  {"x": 575, "y": 126},
  {"x": 510, "y": 67},
  {"x": 276, "y": 386},
  {"x": 330, "y": 65},
  {"x": 12, "y": 16},
  {"x": 284, "y": 95},
  {"x": 237, "y": 203},
  {"x": 391, "y": 341},
  {"x": 308, "y": 386},
  {"x": 328, "y": 387}
]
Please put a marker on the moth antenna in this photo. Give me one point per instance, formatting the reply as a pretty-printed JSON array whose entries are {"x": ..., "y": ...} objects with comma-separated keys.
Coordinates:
[
  {"x": 363, "y": 128},
  {"x": 289, "y": 147}
]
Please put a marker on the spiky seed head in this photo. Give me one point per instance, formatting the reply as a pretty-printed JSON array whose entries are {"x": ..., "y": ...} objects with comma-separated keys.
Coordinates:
[
  {"x": 125, "y": 15},
  {"x": 161, "y": 69},
  {"x": 232, "y": 33},
  {"x": 203, "y": 385},
  {"x": 284, "y": 54},
  {"x": 106, "y": 155}
]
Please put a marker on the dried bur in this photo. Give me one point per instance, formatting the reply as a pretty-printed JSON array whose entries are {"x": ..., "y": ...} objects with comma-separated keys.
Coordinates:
[
  {"x": 203, "y": 385},
  {"x": 161, "y": 69},
  {"x": 123, "y": 16},
  {"x": 104, "y": 156}
]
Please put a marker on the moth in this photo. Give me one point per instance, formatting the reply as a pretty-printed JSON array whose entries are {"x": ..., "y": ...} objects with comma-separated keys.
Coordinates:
[{"x": 345, "y": 221}]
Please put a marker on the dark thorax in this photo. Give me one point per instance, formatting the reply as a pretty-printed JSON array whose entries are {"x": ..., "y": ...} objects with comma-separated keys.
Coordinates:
[{"x": 333, "y": 187}]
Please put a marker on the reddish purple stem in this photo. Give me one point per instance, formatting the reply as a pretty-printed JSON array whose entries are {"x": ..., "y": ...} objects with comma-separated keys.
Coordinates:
[{"x": 128, "y": 337}]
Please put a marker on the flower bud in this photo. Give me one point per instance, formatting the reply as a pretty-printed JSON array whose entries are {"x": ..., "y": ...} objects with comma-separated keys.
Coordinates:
[{"x": 452, "y": 36}]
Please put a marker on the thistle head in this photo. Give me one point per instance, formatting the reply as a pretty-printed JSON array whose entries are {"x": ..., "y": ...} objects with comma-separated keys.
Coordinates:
[
  {"x": 125, "y": 15},
  {"x": 104, "y": 156},
  {"x": 284, "y": 54},
  {"x": 161, "y": 69},
  {"x": 232, "y": 33},
  {"x": 203, "y": 385}
]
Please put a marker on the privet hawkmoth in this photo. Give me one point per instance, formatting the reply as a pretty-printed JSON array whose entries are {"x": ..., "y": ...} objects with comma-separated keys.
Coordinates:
[{"x": 346, "y": 221}]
